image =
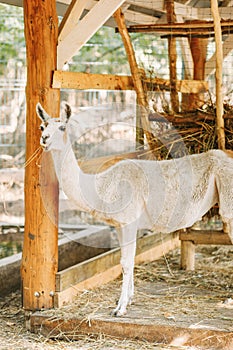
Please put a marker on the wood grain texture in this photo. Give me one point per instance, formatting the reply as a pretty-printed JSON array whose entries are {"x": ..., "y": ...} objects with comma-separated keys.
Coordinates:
[
  {"x": 84, "y": 81},
  {"x": 40, "y": 252}
]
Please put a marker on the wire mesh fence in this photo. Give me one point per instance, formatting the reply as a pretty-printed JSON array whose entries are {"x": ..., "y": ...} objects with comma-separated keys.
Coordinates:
[{"x": 94, "y": 108}]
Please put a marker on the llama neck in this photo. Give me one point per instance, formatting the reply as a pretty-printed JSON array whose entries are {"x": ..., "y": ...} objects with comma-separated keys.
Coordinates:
[
  {"x": 69, "y": 174},
  {"x": 61, "y": 159}
]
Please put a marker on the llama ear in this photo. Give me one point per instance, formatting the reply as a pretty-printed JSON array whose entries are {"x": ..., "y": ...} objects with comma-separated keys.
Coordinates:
[
  {"x": 65, "y": 118},
  {"x": 41, "y": 113}
]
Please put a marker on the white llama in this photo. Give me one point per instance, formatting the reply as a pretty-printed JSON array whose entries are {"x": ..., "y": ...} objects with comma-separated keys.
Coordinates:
[{"x": 162, "y": 196}]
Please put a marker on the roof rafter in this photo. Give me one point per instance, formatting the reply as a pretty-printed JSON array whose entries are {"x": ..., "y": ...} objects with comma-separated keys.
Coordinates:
[
  {"x": 137, "y": 17},
  {"x": 205, "y": 13},
  {"x": 211, "y": 63},
  {"x": 184, "y": 28},
  {"x": 85, "y": 29},
  {"x": 71, "y": 17}
]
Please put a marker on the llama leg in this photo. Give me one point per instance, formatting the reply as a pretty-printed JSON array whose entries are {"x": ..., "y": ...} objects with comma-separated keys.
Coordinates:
[
  {"x": 127, "y": 238},
  {"x": 227, "y": 223},
  {"x": 228, "y": 227}
]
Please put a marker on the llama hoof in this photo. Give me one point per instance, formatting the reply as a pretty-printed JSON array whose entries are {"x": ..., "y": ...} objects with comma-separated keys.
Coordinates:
[
  {"x": 131, "y": 301},
  {"x": 118, "y": 312}
]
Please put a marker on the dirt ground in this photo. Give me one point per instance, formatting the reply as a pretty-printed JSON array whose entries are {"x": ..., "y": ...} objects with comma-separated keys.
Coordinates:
[{"x": 164, "y": 294}]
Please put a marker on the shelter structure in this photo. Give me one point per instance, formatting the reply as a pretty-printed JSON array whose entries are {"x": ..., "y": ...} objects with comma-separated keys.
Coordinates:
[{"x": 51, "y": 46}]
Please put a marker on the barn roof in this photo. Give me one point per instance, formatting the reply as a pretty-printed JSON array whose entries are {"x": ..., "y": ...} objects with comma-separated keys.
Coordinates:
[
  {"x": 144, "y": 11},
  {"x": 140, "y": 15}
]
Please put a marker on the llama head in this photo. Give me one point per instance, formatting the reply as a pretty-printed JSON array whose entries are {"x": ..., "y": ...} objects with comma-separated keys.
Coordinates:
[{"x": 54, "y": 133}]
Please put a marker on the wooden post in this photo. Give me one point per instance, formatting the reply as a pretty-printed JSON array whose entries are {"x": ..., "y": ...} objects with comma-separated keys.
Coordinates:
[
  {"x": 188, "y": 255},
  {"x": 136, "y": 76},
  {"x": 139, "y": 128},
  {"x": 171, "y": 18},
  {"x": 40, "y": 251},
  {"x": 218, "y": 74},
  {"x": 198, "y": 48}
]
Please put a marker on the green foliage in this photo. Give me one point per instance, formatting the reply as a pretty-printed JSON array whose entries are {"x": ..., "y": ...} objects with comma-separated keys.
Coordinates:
[
  {"x": 152, "y": 54},
  {"x": 12, "y": 43},
  {"x": 9, "y": 248},
  {"x": 104, "y": 53}
]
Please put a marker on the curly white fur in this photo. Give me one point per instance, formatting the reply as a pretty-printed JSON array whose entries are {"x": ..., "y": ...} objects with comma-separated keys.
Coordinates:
[{"x": 163, "y": 196}]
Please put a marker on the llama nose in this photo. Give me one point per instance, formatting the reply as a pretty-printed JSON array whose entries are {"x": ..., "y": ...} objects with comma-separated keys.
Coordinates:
[{"x": 44, "y": 138}]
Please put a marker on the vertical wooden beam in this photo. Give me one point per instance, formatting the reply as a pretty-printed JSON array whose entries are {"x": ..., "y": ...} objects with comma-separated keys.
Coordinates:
[
  {"x": 139, "y": 128},
  {"x": 171, "y": 18},
  {"x": 136, "y": 76},
  {"x": 40, "y": 251},
  {"x": 218, "y": 74},
  {"x": 188, "y": 255},
  {"x": 198, "y": 48}
]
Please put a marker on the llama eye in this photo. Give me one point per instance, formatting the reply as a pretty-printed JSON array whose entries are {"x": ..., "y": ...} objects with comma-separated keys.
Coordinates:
[
  {"x": 42, "y": 127},
  {"x": 62, "y": 128}
]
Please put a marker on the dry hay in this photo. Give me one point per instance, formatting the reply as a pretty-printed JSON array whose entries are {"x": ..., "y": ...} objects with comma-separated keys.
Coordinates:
[
  {"x": 163, "y": 278},
  {"x": 164, "y": 294},
  {"x": 189, "y": 132},
  {"x": 13, "y": 334}
]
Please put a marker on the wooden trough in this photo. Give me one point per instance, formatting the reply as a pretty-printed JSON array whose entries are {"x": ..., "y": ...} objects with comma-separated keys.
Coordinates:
[
  {"x": 167, "y": 309},
  {"x": 213, "y": 332},
  {"x": 106, "y": 267},
  {"x": 73, "y": 248},
  {"x": 132, "y": 328}
]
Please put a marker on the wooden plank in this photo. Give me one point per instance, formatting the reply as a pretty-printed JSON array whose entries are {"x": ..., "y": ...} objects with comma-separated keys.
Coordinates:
[
  {"x": 123, "y": 328},
  {"x": 89, "y": 241},
  {"x": 82, "y": 245},
  {"x": 69, "y": 294},
  {"x": 155, "y": 249},
  {"x": 191, "y": 86},
  {"x": 186, "y": 28},
  {"x": 102, "y": 262},
  {"x": 205, "y": 237},
  {"x": 86, "y": 269},
  {"x": 85, "y": 29},
  {"x": 97, "y": 165},
  {"x": 83, "y": 81},
  {"x": 10, "y": 280},
  {"x": 149, "y": 249}
]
